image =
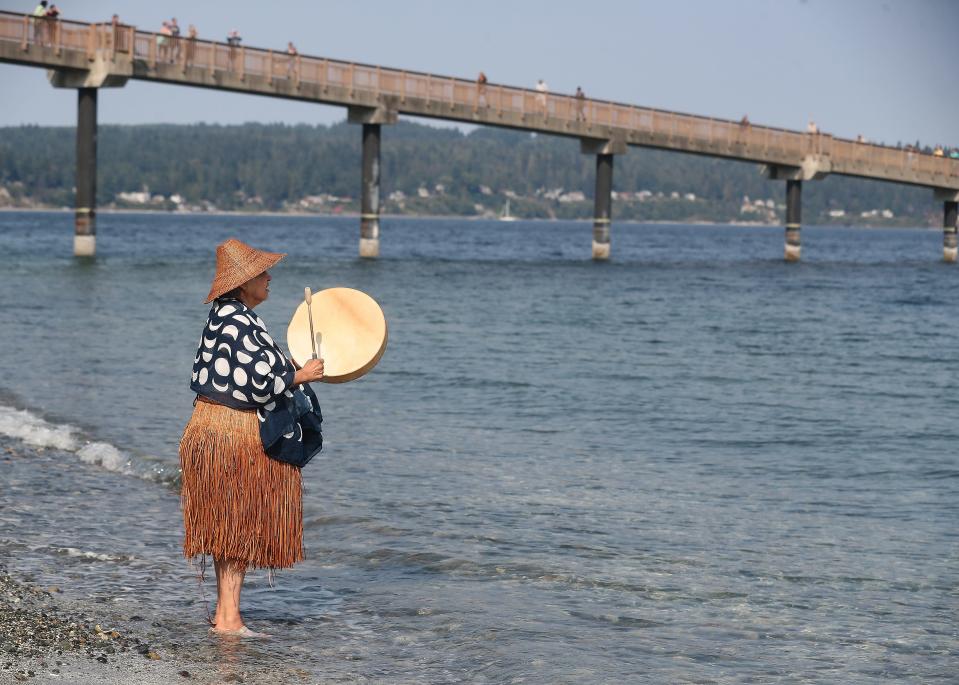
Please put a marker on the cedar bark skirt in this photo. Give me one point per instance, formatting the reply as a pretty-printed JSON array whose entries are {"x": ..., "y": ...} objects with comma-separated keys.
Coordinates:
[{"x": 237, "y": 502}]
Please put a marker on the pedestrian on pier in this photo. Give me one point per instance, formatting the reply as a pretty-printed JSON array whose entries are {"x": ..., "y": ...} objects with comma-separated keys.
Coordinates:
[
  {"x": 40, "y": 22},
  {"x": 233, "y": 40},
  {"x": 163, "y": 42},
  {"x": 541, "y": 90},
  {"x": 51, "y": 19},
  {"x": 580, "y": 104},
  {"x": 291, "y": 63},
  {"x": 481, "y": 82},
  {"x": 174, "y": 40},
  {"x": 191, "y": 44},
  {"x": 115, "y": 32},
  {"x": 743, "y": 131}
]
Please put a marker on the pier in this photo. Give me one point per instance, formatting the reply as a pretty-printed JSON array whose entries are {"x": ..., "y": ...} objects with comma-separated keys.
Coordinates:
[{"x": 90, "y": 56}]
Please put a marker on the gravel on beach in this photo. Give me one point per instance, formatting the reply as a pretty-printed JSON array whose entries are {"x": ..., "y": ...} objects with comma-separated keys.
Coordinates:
[{"x": 42, "y": 641}]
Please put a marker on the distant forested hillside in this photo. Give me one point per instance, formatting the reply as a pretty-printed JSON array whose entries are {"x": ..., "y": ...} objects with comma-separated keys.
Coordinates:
[{"x": 436, "y": 171}]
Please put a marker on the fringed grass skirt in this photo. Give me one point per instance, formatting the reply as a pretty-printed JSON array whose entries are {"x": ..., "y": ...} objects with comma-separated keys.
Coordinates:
[{"x": 237, "y": 502}]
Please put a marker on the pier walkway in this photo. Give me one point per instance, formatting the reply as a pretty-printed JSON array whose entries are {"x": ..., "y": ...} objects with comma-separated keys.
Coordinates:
[{"x": 89, "y": 56}]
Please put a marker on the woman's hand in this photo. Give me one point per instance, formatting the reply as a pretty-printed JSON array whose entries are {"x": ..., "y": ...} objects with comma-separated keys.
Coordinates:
[{"x": 311, "y": 371}]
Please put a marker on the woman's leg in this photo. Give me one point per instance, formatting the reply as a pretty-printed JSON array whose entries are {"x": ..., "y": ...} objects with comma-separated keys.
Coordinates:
[{"x": 229, "y": 583}]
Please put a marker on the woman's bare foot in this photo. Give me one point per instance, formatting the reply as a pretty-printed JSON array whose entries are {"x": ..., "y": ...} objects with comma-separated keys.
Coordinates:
[
  {"x": 242, "y": 631},
  {"x": 221, "y": 626},
  {"x": 229, "y": 582}
]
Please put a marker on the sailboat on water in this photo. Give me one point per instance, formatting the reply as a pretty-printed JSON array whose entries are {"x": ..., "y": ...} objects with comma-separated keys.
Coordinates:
[{"x": 505, "y": 215}]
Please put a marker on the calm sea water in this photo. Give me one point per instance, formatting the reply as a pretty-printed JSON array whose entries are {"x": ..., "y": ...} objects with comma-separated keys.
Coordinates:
[{"x": 694, "y": 463}]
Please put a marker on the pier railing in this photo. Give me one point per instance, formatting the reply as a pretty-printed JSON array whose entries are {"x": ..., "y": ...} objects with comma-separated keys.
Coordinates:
[{"x": 447, "y": 97}]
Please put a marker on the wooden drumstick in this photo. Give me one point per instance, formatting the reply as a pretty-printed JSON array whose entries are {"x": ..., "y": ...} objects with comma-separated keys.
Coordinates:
[{"x": 309, "y": 301}]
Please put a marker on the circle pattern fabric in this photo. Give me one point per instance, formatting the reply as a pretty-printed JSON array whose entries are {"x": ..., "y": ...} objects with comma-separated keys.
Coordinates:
[{"x": 239, "y": 364}]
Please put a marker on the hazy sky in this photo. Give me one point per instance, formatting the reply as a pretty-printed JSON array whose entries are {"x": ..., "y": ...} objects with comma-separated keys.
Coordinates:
[{"x": 885, "y": 69}]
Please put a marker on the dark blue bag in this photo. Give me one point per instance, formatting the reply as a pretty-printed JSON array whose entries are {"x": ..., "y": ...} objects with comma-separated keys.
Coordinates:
[{"x": 294, "y": 433}]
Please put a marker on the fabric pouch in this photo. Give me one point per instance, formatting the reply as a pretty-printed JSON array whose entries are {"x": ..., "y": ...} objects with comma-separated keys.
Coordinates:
[{"x": 294, "y": 432}]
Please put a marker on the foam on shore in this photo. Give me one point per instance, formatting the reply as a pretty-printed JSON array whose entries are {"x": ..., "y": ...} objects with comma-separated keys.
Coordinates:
[{"x": 35, "y": 431}]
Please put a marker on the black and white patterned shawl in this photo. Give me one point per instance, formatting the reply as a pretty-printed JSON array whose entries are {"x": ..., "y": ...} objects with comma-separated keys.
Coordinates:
[{"x": 239, "y": 365}]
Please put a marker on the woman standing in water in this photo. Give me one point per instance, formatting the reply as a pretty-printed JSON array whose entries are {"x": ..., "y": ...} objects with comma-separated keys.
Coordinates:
[{"x": 240, "y": 505}]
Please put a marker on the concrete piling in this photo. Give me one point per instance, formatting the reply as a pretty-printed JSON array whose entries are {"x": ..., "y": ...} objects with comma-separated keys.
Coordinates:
[
  {"x": 85, "y": 221},
  {"x": 372, "y": 119},
  {"x": 604, "y": 149},
  {"x": 793, "y": 220},
  {"x": 102, "y": 70},
  {"x": 602, "y": 206},
  {"x": 950, "y": 248}
]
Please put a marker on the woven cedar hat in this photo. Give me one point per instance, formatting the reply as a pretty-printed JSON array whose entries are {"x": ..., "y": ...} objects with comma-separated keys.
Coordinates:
[{"x": 236, "y": 263}]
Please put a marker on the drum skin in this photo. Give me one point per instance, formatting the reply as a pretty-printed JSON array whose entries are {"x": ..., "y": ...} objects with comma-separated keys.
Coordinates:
[{"x": 350, "y": 329}]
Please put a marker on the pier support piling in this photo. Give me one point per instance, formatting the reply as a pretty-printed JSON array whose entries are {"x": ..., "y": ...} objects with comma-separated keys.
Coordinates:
[
  {"x": 950, "y": 215},
  {"x": 604, "y": 149},
  {"x": 370, "y": 193},
  {"x": 602, "y": 206},
  {"x": 85, "y": 221},
  {"x": 101, "y": 71},
  {"x": 812, "y": 168},
  {"x": 793, "y": 219},
  {"x": 372, "y": 119}
]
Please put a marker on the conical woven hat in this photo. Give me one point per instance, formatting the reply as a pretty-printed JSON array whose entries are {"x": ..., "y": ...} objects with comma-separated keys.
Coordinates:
[{"x": 236, "y": 263}]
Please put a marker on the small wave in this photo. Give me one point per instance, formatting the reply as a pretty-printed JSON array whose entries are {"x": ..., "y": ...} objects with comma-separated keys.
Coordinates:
[
  {"x": 72, "y": 552},
  {"x": 434, "y": 563},
  {"x": 481, "y": 382},
  {"x": 335, "y": 520},
  {"x": 920, "y": 301},
  {"x": 35, "y": 431},
  {"x": 90, "y": 556},
  {"x": 616, "y": 620},
  {"x": 106, "y": 455}
]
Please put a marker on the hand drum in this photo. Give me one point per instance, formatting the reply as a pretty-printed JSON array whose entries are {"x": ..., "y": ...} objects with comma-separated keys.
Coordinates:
[{"x": 350, "y": 332}]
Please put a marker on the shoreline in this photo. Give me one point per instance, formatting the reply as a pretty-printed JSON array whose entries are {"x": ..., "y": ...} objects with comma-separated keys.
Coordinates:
[
  {"x": 43, "y": 639},
  {"x": 356, "y": 215},
  {"x": 52, "y": 631}
]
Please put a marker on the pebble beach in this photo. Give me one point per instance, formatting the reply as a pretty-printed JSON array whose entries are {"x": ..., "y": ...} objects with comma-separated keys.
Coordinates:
[{"x": 44, "y": 639}]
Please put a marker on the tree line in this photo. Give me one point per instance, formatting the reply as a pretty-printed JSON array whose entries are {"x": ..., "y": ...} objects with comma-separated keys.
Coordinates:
[{"x": 274, "y": 166}]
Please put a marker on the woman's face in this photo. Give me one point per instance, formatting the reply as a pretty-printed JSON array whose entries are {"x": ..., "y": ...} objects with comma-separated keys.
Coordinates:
[{"x": 256, "y": 290}]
